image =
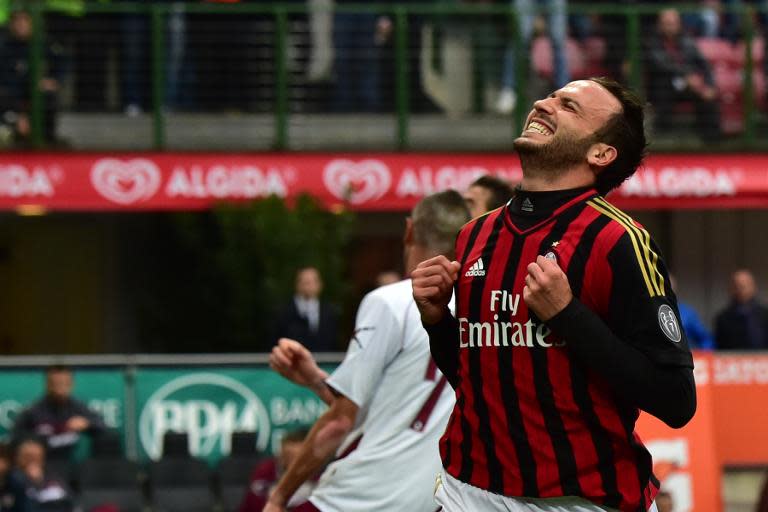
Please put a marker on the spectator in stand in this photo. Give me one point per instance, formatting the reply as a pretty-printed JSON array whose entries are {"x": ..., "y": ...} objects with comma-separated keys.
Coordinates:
[
  {"x": 743, "y": 324},
  {"x": 45, "y": 490},
  {"x": 57, "y": 418},
  {"x": 306, "y": 317},
  {"x": 15, "y": 97},
  {"x": 698, "y": 336},
  {"x": 358, "y": 40},
  {"x": 13, "y": 495},
  {"x": 487, "y": 193},
  {"x": 611, "y": 27},
  {"x": 678, "y": 73},
  {"x": 555, "y": 12},
  {"x": 267, "y": 473}
]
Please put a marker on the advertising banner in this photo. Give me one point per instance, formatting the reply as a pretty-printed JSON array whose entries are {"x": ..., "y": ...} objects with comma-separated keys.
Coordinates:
[
  {"x": 740, "y": 387},
  {"x": 102, "y": 390},
  {"x": 364, "y": 182},
  {"x": 209, "y": 404},
  {"x": 685, "y": 460}
]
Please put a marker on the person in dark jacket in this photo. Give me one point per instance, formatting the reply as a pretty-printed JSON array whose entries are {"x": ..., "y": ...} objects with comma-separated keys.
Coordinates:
[
  {"x": 307, "y": 318},
  {"x": 743, "y": 324},
  {"x": 13, "y": 492},
  {"x": 45, "y": 490},
  {"x": 677, "y": 72},
  {"x": 58, "y": 418},
  {"x": 15, "y": 74}
]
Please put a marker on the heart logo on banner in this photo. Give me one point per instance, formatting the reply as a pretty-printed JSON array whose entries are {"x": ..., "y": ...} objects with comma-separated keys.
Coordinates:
[
  {"x": 125, "y": 181},
  {"x": 357, "y": 182}
]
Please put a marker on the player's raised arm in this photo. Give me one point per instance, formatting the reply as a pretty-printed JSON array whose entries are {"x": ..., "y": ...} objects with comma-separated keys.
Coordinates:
[
  {"x": 433, "y": 286},
  {"x": 293, "y": 361}
]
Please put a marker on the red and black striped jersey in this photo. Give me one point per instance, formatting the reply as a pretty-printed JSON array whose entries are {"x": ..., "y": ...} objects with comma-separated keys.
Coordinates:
[{"x": 530, "y": 421}]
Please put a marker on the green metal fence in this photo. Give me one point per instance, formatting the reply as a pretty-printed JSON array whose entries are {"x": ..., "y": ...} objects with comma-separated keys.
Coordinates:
[{"x": 403, "y": 52}]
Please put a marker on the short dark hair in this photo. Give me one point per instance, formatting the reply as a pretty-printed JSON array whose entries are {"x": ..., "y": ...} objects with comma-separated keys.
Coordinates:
[
  {"x": 57, "y": 368},
  {"x": 28, "y": 439},
  {"x": 625, "y": 132},
  {"x": 501, "y": 191}
]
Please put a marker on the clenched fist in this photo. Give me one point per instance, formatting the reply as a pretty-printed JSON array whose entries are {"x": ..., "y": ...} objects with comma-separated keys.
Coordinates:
[
  {"x": 432, "y": 282},
  {"x": 293, "y": 361},
  {"x": 547, "y": 291}
]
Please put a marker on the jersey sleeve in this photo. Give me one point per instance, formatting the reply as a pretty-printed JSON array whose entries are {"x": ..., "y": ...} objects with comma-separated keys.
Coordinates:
[
  {"x": 376, "y": 341},
  {"x": 642, "y": 306}
]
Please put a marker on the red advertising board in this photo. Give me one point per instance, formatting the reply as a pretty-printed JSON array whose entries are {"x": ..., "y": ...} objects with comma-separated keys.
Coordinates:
[{"x": 371, "y": 182}]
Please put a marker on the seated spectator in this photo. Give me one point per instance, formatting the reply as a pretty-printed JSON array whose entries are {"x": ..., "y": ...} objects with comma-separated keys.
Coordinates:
[
  {"x": 13, "y": 494},
  {"x": 743, "y": 324},
  {"x": 15, "y": 97},
  {"x": 698, "y": 335},
  {"x": 678, "y": 73},
  {"x": 487, "y": 193},
  {"x": 46, "y": 491},
  {"x": 358, "y": 41},
  {"x": 306, "y": 317},
  {"x": 57, "y": 418},
  {"x": 267, "y": 472}
]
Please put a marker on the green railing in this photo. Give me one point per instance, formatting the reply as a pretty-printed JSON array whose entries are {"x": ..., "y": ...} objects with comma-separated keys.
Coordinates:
[{"x": 401, "y": 15}]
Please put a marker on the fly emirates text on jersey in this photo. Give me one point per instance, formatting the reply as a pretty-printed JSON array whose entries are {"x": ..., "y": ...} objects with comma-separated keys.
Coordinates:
[{"x": 504, "y": 304}]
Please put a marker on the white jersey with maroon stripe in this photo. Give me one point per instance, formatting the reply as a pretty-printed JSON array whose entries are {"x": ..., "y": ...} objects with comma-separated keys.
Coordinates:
[{"x": 389, "y": 461}]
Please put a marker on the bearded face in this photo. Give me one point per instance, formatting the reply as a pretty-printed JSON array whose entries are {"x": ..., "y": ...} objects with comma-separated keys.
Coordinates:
[{"x": 554, "y": 155}]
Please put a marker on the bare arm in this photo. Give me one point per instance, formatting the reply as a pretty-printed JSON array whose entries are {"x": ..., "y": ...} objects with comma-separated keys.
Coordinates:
[
  {"x": 323, "y": 440},
  {"x": 293, "y": 361}
]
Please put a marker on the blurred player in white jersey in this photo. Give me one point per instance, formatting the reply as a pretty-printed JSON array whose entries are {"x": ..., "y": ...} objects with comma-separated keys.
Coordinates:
[{"x": 388, "y": 402}]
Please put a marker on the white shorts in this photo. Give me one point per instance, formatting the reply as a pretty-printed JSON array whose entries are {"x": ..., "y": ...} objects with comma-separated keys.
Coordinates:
[{"x": 456, "y": 496}]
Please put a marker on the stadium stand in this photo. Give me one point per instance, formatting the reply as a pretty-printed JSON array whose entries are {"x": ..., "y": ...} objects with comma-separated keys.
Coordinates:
[
  {"x": 233, "y": 470},
  {"x": 108, "y": 478},
  {"x": 178, "y": 482}
]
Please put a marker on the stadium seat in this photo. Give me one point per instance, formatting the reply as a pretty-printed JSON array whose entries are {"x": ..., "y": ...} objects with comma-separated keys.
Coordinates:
[
  {"x": 107, "y": 445},
  {"x": 718, "y": 52},
  {"x": 180, "y": 485},
  {"x": 108, "y": 478},
  {"x": 175, "y": 444},
  {"x": 234, "y": 470},
  {"x": 758, "y": 52},
  {"x": 730, "y": 83},
  {"x": 110, "y": 481},
  {"x": 179, "y": 482}
]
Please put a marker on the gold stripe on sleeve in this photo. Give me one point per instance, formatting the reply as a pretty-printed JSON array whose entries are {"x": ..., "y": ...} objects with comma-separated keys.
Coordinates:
[
  {"x": 633, "y": 237},
  {"x": 650, "y": 256}
]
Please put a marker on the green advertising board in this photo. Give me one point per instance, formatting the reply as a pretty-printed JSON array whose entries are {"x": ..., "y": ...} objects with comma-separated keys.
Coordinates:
[
  {"x": 210, "y": 403},
  {"x": 103, "y": 390}
]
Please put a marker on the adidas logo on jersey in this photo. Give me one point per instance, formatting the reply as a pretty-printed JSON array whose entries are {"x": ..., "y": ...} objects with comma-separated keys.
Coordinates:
[{"x": 476, "y": 270}]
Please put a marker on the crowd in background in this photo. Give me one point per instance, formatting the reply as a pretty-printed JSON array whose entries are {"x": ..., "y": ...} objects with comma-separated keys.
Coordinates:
[{"x": 341, "y": 61}]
